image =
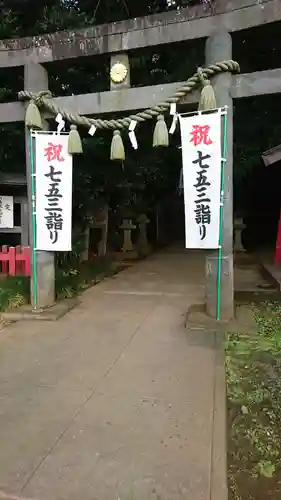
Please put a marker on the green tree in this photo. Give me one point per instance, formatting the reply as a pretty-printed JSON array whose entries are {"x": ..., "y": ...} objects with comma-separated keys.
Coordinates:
[
  {"x": 29, "y": 17},
  {"x": 95, "y": 175}
]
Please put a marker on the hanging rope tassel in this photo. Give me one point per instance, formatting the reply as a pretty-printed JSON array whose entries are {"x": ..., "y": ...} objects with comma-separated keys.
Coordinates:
[
  {"x": 49, "y": 105},
  {"x": 161, "y": 134},
  {"x": 32, "y": 116},
  {"x": 207, "y": 98},
  {"x": 74, "y": 141},
  {"x": 117, "y": 151}
]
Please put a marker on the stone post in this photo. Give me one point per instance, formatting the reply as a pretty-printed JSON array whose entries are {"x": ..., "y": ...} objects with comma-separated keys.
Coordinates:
[
  {"x": 143, "y": 245},
  {"x": 102, "y": 246},
  {"x": 219, "y": 48},
  {"x": 238, "y": 228},
  {"x": 24, "y": 222},
  {"x": 127, "y": 226},
  {"x": 36, "y": 79},
  {"x": 85, "y": 253}
]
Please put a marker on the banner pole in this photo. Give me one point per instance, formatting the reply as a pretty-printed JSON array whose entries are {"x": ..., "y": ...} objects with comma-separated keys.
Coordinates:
[
  {"x": 33, "y": 209},
  {"x": 223, "y": 160}
]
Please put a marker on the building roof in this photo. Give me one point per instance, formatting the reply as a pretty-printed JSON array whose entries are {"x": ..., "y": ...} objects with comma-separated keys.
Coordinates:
[
  {"x": 12, "y": 179},
  {"x": 272, "y": 155}
]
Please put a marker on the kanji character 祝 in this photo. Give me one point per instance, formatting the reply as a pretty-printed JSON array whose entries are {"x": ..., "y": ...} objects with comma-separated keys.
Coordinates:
[{"x": 200, "y": 135}]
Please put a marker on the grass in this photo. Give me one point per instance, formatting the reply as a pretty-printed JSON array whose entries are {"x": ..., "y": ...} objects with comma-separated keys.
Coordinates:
[
  {"x": 72, "y": 281},
  {"x": 15, "y": 291},
  {"x": 254, "y": 403}
]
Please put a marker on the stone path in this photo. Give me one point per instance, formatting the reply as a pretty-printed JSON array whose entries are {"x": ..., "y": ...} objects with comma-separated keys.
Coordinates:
[{"x": 117, "y": 400}]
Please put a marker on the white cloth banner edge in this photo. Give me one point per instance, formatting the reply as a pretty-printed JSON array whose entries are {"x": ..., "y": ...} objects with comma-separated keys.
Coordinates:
[
  {"x": 201, "y": 118},
  {"x": 65, "y": 242}
]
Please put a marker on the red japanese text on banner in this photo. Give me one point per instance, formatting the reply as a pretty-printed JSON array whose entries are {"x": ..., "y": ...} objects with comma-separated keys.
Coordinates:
[
  {"x": 201, "y": 157},
  {"x": 53, "y": 193}
]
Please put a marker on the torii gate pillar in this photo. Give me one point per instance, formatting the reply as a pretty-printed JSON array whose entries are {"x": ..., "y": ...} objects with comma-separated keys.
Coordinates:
[
  {"x": 36, "y": 79},
  {"x": 219, "y": 48}
]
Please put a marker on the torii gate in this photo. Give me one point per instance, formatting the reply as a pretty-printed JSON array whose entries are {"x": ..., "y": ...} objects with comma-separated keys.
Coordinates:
[{"x": 119, "y": 38}]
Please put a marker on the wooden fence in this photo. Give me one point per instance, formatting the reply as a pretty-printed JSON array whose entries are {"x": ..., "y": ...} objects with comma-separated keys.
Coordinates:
[{"x": 15, "y": 261}]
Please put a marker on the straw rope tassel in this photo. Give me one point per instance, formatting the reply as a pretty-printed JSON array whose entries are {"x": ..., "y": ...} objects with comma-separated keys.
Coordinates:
[
  {"x": 74, "y": 141},
  {"x": 117, "y": 151},
  {"x": 207, "y": 98},
  {"x": 32, "y": 116},
  {"x": 161, "y": 134},
  {"x": 44, "y": 99}
]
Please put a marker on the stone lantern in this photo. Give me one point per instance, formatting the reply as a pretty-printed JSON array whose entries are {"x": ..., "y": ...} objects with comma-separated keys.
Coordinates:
[
  {"x": 143, "y": 245},
  {"x": 127, "y": 226},
  {"x": 238, "y": 228}
]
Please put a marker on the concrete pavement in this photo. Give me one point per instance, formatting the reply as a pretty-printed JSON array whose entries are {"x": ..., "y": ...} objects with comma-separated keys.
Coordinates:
[{"x": 117, "y": 400}]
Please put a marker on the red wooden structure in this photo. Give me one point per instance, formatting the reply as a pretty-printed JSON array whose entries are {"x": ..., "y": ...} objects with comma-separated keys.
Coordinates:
[
  {"x": 277, "y": 256},
  {"x": 15, "y": 261},
  {"x": 270, "y": 157}
]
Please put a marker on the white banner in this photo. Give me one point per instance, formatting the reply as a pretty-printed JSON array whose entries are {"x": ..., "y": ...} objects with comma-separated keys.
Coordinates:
[
  {"x": 201, "y": 155},
  {"x": 53, "y": 192},
  {"x": 6, "y": 212}
]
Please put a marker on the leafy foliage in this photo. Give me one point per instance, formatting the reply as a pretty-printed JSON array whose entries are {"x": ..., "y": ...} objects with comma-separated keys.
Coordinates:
[
  {"x": 14, "y": 292},
  {"x": 29, "y": 17},
  {"x": 72, "y": 277},
  {"x": 95, "y": 177},
  {"x": 71, "y": 281},
  {"x": 254, "y": 396}
]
